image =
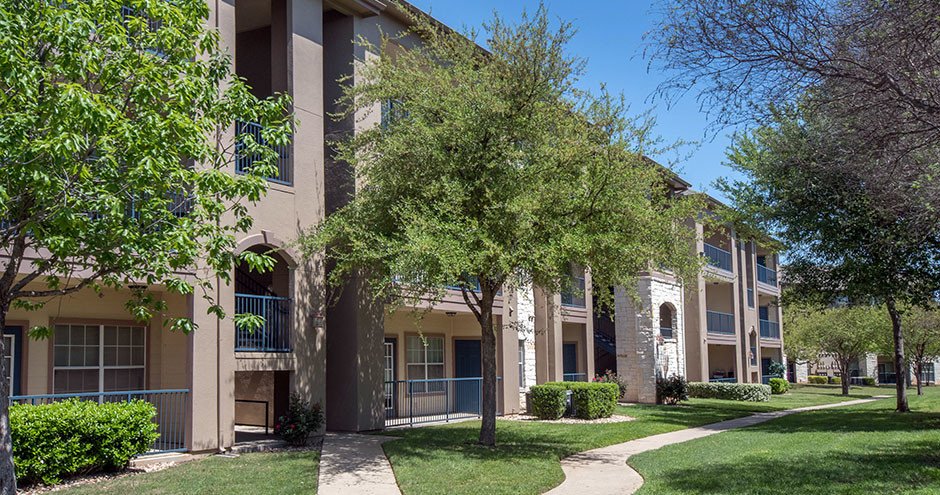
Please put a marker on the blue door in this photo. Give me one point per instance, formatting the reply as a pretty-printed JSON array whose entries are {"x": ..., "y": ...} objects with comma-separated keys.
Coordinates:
[
  {"x": 569, "y": 355},
  {"x": 468, "y": 363},
  {"x": 763, "y": 313},
  {"x": 12, "y": 355}
]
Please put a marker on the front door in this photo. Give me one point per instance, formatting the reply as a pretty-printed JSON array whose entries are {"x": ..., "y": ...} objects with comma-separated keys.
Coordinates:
[
  {"x": 390, "y": 384},
  {"x": 12, "y": 351},
  {"x": 569, "y": 355},
  {"x": 468, "y": 363}
]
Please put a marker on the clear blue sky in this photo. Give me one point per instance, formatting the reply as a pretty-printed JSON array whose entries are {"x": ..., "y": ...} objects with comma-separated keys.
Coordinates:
[{"x": 610, "y": 37}]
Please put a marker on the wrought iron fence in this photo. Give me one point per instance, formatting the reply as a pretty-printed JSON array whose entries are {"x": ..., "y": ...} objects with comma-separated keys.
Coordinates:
[{"x": 411, "y": 402}]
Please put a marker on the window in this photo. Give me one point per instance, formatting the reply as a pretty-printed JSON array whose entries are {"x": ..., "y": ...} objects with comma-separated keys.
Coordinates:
[
  {"x": 98, "y": 358},
  {"x": 521, "y": 364},
  {"x": 425, "y": 362},
  {"x": 665, "y": 321}
]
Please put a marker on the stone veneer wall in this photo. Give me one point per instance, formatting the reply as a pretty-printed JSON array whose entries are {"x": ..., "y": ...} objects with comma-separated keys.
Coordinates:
[
  {"x": 525, "y": 307},
  {"x": 641, "y": 357}
]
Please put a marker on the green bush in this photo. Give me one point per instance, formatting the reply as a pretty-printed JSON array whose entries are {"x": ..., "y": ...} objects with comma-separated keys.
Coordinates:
[
  {"x": 300, "y": 420},
  {"x": 779, "y": 386},
  {"x": 611, "y": 377},
  {"x": 53, "y": 441},
  {"x": 818, "y": 379},
  {"x": 547, "y": 401},
  {"x": 591, "y": 400},
  {"x": 749, "y": 392},
  {"x": 835, "y": 379},
  {"x": 867, "y": 380},
  {"x": 672, "y": 390}
]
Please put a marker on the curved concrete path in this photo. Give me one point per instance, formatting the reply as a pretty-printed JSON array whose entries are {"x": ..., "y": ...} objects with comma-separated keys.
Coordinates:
[
  {"x": 605, "y": 471},
  {"x": 352, "y": 463}
]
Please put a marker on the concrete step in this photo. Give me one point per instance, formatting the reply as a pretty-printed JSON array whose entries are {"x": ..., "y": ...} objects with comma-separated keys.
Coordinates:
[{"x": 167, "y": 457}]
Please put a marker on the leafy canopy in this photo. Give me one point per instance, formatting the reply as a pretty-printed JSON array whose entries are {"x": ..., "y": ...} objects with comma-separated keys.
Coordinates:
[
  {"x": 114, "y": 167},
  {"x": 491, "y": 165}
]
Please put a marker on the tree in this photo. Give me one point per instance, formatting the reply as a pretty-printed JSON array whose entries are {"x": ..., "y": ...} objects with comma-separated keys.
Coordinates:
[
  {"x": 491, "y": 170},
  {"x": 842, "y": 241},
  {"x": 922, "y": 339},
  {"x": 844, "y": 333},
  {"x": 112, "y": 161}
]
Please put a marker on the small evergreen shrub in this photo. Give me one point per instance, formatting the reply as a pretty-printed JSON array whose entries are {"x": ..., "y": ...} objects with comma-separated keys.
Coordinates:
[
  {"x": 818, "y": 379},
  {"x": 672, "y": 390},
  {"x": 779, "y": 386},
  {"x": 547, "y": 401},
  {"x": 867, "y": 380},
  {"x": 776, "y": 368},
  {"x": 300, "y": 421},
  {"x": 611, "y": 377},
  {"x": 591, "y": 400},
  {"x": 72, "y": 437},
  {"x": 748, "y": 392},
  {"x": 835, "y": 379}
]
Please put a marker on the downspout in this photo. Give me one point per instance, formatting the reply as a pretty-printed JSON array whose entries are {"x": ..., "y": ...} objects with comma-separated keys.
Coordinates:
[{"x": 218, "y": 322}]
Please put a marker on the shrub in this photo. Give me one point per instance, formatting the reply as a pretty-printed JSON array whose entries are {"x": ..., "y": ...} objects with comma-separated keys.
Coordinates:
[
  {"x": 60, "y": 439},
  {"x": 591, "y": 400},
  {"x": 300, "y": 420},
  {"x": 611, "y": 377},
  {"x": 749, "y": 392},
  {"x": 818, "y": 379},
  {"x": 867, "y": 380},
  {"x": 547, "y": 401},
  {"x": 779, "y": 386},
  {"x": 835, "y": 379},
  {"x": 776, "y": 368},
  {"x": 672, "y": 390}
]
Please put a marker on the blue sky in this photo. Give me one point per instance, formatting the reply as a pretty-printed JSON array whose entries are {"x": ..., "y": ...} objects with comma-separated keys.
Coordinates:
[{"x": 610, "y": 36}]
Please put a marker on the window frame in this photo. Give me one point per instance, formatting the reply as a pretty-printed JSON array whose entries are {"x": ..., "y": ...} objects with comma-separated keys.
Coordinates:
[
  {"x": 424, "y": 388},
  {"x": 101, "y": 367}
]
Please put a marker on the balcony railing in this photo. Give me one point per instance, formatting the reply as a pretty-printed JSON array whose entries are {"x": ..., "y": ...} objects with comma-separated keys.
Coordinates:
[
  {"x": 719, "y": 258},
  {"x": 665, "y": 332},
  {"x": 574, "y": 377},
  {"x": 718, "y": 322},
  {"x": 723, "y": 380},
  {"x": 170, "y": 418},
  {"x": 575, "y": 296},
  {"x": 274, "y": 334},
  {"x": 769, "y": 329},
  {"x": 887, "y": 377},
  {"x": 765, "y": 379},
  {"x": 411, "y": 402},
  {"x": 766, "y": 275},
  {"x": 244, "y": 160}
]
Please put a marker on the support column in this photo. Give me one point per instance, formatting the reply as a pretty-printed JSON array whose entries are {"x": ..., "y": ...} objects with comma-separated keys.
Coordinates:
[
  {"x": 589, "y": 326},
  {"x": 509, "y": 344},
  {"x": 549, "y": 365}
]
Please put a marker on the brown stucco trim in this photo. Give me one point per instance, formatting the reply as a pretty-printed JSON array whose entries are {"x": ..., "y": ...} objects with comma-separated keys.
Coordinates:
[{"x": 267, "y": 238}]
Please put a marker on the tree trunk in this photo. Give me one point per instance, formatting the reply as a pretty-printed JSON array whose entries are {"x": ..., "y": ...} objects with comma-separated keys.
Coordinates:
[
  {"x": 920, "y": 374},
  {"x": 844, "y": 371},
  {"x": 899, "y": 363},
  {"x": 488, "y": 342},
  {"x": 7, "y": 475}
]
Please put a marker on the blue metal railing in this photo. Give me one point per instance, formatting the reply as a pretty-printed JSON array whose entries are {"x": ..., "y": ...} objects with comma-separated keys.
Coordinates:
[
  {"x": 765, "y": 379},
  {"x": 274, "y": 334},
  {"x": 474, "y": 282},
  {"x": 574, "y": 296},
  {"x": 769, "y": 329},
  {"x": 244, "y": 160},
  {"x": 411, "y": 402},
  {"x": 766, "y": 275},
  {"x": 717, "y": 322},
  {"x": 717, "y": 257},
  {"x": 574, "y": 377},
  {"x": 887, "y": 377},
  {"x": 723, "y": 380},
  {"x": 170, "y": 405},
  {"x": 665, "y": 332}
]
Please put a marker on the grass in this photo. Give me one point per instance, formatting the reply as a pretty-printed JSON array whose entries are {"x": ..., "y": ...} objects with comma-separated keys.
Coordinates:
[
  {"x": 860, "y": 449},
  {"x": 446, "y": 459},
  {"x": 273, "y": 473}
]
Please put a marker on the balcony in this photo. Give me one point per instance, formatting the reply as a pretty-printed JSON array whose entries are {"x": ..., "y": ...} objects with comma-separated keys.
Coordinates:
[
  {"x": 766, "y": 275},
  {"x": 720, "y": 323},
  {"x": 769, "y": 329},
  {"x": 719, "y": 258},
  {"x": 575, "y": 296},
  {"x": 245, "y": 160},
  {"x": 274, "y": 334}
]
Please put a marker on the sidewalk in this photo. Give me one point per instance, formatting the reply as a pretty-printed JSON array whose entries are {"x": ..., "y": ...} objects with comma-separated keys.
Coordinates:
[
  {"x": 605, "y": 471},
  {"x": 352, "y": 463}
]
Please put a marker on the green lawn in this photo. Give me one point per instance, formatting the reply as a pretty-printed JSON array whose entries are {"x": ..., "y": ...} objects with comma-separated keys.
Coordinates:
[
  {"x": 862, "y": 449},
  {"x": 274, "y": 473},
  {"x": 445, "y": 458}
]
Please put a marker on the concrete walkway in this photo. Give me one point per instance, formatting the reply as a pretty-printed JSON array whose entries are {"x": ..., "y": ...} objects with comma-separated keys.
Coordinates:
[
  {"x": 605, "y": 471},
  {"x": 351, "y": 463}
]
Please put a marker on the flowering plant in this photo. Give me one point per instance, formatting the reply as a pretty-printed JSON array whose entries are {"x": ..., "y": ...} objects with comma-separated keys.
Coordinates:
[{"x": 300, "y": 421}]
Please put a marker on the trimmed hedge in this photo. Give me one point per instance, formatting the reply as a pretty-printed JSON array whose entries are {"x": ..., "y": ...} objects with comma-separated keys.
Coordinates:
[
  {"x": 547, "y": 401},
  {"x": 835, "y": 379},
  {"x": 749, "y": 392},
  {"x": 53, "y": 441},
  {"x": 591, "y": 400},
  {"x": 779, "y": 386},
  {"x": 670, "y": 391},
  {"x": 818, "y": 379},
  {"x": 867, "y": 380}
]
